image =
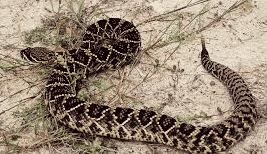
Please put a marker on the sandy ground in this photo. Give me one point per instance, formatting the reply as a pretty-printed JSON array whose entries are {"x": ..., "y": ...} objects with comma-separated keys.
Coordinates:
[{"x": 237, "y": 41}]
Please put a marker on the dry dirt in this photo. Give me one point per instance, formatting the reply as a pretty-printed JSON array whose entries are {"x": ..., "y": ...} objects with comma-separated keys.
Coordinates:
[{"x": 238, "y": 41}]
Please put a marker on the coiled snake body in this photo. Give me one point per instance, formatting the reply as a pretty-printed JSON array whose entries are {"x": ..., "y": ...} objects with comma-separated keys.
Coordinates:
[{"x": 115, "y": 43}]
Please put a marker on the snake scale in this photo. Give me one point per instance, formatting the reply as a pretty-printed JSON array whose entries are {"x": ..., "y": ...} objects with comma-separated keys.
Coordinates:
[{"x": 115, "y": 43}]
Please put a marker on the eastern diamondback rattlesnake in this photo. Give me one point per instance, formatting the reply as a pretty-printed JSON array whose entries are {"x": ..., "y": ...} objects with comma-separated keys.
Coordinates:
[{"x": 115, "y": 43}]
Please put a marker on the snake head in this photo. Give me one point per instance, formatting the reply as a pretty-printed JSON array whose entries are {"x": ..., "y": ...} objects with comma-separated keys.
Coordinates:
[{"x": 37, "y": 54}]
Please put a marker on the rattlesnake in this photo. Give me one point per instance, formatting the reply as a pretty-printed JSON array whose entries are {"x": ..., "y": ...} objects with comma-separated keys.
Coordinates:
[{"x": 115, "y": 43}]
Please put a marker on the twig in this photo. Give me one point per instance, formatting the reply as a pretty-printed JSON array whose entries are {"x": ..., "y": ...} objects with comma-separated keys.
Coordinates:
[
  {"x": 158, "y": 17},
  {"x": 219, "y": 18}
]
